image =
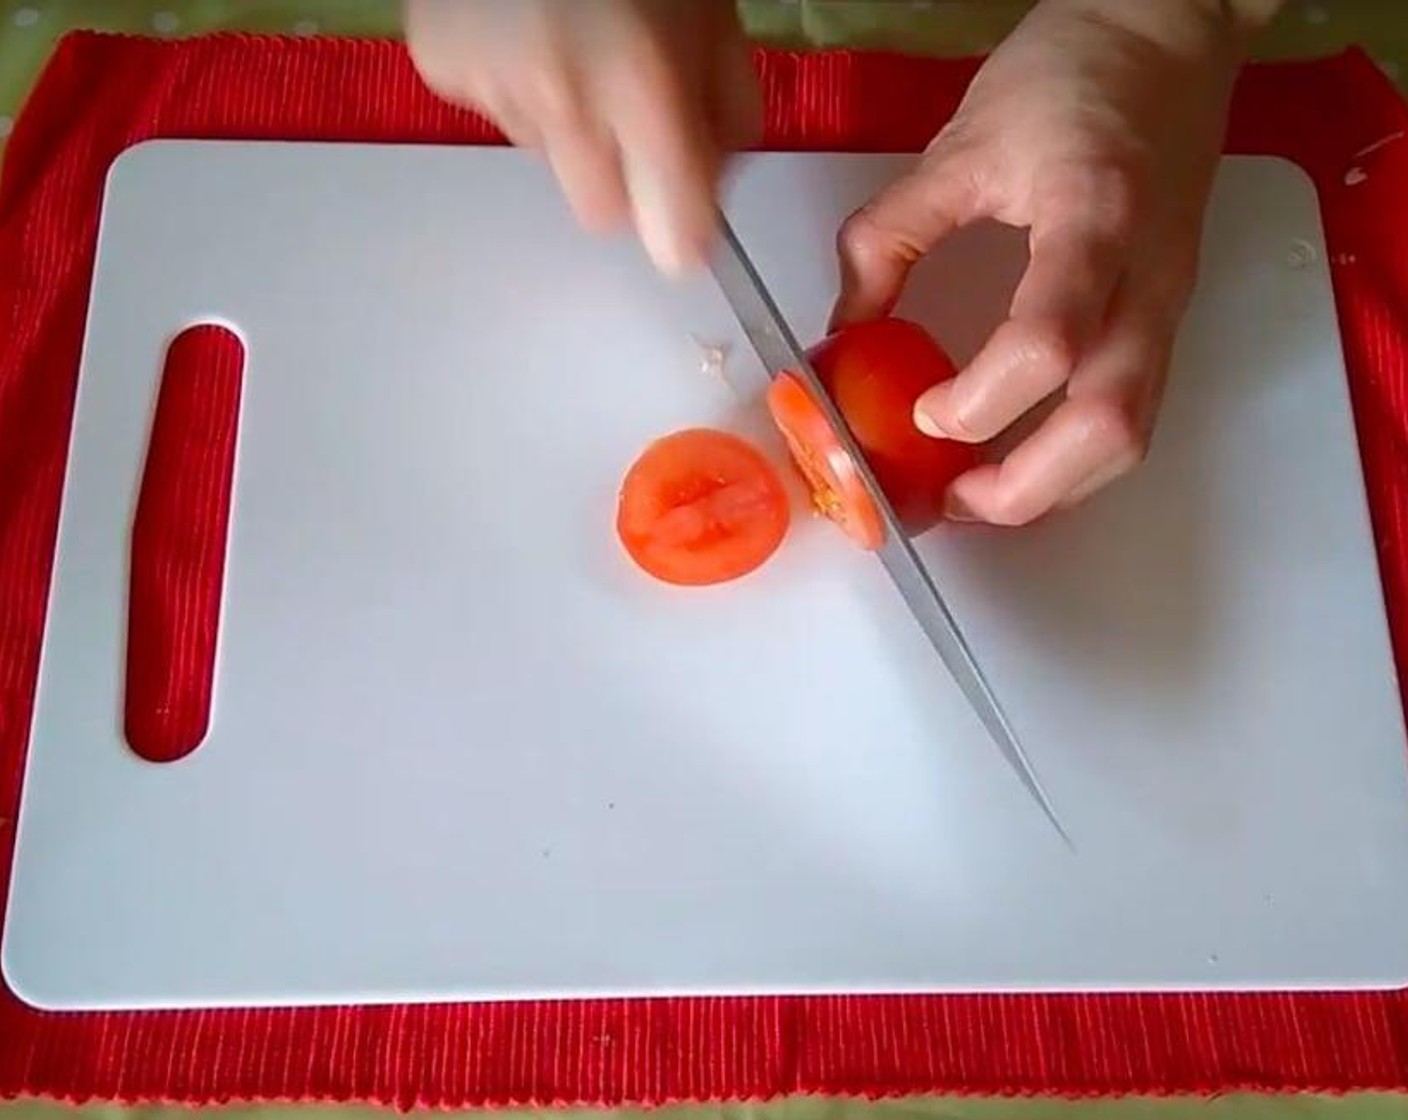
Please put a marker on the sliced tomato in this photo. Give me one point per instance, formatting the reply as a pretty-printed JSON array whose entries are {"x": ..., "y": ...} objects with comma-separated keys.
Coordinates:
[
  {"x": 830, "y": 474},
  {"x": 701, "y": 506},
  {"x": 875, "y": 372}
]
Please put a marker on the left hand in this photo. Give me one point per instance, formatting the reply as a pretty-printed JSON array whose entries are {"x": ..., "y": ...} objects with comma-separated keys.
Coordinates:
[{"x": 1097, "y": 126}]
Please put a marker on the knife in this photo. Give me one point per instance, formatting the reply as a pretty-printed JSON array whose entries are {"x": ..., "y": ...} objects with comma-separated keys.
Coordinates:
[{"x": 777, "y": 348}]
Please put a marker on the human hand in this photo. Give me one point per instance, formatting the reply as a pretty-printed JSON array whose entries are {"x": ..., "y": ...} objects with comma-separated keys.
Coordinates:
[
  {"x": 635, "y": 103},
  {"x": 1096, "y": 126}
]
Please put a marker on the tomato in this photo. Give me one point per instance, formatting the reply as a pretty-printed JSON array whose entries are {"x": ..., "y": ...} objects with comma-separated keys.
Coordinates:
[
  {"x": 875, "y": 372},
  {"x": 701, "y": 506},
  {"x": 836, "y": 488}
]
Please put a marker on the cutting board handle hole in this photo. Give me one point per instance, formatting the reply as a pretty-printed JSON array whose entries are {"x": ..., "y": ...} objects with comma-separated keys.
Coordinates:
[{"x": 179, "y": 533}]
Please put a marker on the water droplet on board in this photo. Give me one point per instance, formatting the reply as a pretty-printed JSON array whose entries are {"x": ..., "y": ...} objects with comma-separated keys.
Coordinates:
[
  {"x": 1212, "y": 958},
  {"x": 1301, "y": 254},
  {"x": 713, "y": 360}
]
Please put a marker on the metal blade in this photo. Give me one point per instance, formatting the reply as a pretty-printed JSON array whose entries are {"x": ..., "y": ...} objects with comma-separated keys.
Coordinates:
[
  {"x": 927, "y": 605},
  {"x": 779, "y": 352},
  {"x": 760, "y": 318}
]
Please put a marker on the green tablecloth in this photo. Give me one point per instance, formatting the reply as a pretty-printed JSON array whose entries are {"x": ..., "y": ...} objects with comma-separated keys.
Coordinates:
[{"x": 28, "y": 29}]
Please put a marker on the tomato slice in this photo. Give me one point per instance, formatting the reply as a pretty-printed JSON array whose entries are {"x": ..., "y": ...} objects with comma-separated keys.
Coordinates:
[
  {"x": 875, "y": 372},
  {"x": 701, "y": 506},
  {"x": 837, "y": 489}
]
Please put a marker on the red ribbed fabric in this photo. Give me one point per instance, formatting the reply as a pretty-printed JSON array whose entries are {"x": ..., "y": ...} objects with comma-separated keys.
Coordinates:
[{"x": 101, "y": 94}]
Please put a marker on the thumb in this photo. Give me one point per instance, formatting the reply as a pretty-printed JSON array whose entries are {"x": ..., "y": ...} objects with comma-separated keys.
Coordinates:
[{"x": 879, "y": 244}]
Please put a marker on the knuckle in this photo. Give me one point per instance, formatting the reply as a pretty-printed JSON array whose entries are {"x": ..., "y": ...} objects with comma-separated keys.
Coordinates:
[
  {"x": 646, "y": 72},
  {"x": 1106, "y": 193},
  {"x": 1117, "y": 204},
  {"x": 551, "y": 99},
  {"x": 441, "y": 75},
  {"x": 951, "y": 138},
  {"x": 1048, "y": 349},
  {"x": 1177, "y": 272},
  {"x": 859, "y": 236},
  {"x": 1013, "y": 509},
  {"x": 1117, "y": 428}
]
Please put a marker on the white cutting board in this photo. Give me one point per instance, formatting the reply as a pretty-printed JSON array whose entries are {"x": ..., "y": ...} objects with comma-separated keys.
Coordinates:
[{"x": 461, "y": 749}]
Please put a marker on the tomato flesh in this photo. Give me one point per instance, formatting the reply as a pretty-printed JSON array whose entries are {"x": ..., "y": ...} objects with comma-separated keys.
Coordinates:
[
  {"x": 875, "y": 372},
  {"x": 836, "y": 487},
  {"x": 701, "y": 506}
]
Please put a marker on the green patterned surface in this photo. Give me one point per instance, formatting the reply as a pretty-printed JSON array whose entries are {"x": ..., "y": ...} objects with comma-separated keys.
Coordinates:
[{"x": 28, "y": 29}]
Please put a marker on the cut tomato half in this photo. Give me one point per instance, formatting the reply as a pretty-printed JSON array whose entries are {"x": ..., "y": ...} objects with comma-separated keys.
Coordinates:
[{"x": 701, "y": 506}]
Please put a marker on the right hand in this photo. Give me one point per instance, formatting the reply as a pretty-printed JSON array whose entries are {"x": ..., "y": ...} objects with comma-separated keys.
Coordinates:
[{"x": 636, "y": 104}]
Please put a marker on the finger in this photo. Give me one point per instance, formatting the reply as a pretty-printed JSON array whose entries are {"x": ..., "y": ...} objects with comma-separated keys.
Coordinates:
[
  {"x": 1059, "y": 308},
  {"x": 1096, "y": 435},
  {"x": 670, "y": 162},
  {"x": 587, "y": 164},
  {"x": 880, "y": 243},
  {"x": 518, "y": 126},
  {"x": 1079, "y": 446},
  {"x": 518, "y": 130}
]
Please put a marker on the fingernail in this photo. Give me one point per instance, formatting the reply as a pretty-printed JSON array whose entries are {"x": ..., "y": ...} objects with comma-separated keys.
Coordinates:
[
  {"x": 659, "y": 232},
  {"x": 928, "y": 425},
  {"x": 956, "y": 509},
  {"x": 661, "y": 246},
  {"x": 926, "y": 420}
]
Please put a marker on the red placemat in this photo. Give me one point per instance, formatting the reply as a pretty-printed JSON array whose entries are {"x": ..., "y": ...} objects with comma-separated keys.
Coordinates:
[{"x": 1338, "y": 118}]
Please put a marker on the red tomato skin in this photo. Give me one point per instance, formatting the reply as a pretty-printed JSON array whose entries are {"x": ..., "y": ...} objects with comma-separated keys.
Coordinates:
[{"x": 875, "y": 372}]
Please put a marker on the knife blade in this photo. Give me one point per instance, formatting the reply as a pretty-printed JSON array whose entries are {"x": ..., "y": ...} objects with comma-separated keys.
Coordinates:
[{"x": 778, "y": 350}]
